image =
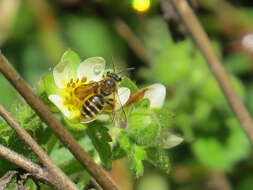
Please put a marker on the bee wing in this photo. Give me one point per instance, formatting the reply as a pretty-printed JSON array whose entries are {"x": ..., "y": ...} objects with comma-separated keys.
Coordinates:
[
  {"x": 92, "y": 68},
  {"x": 121, "y": 97},
  {"x": 118, "y": 113},
  {"x": 119, "y": 118}
]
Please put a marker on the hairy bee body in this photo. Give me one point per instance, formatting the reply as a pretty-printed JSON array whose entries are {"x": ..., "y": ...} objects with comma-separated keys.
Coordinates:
[
  {"x": 97, "y": 92},
  {"x": 93, "y": 106},
  {"x": 101, "y": 97}
]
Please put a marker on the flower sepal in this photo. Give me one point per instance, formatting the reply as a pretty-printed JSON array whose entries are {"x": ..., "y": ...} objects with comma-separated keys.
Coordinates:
[{"x": 151, "y": 127}]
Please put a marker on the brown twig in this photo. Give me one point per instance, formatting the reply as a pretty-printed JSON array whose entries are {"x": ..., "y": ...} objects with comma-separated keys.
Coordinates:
[
  {"x": 5, "y": 180},
  {"x": 201, "y": 39},
  {"x": 64, "y": 182},
  {"x": 101, "y": 176},
  {"x": 32, "y": 168},
  {"x": 132, "y": 41}
]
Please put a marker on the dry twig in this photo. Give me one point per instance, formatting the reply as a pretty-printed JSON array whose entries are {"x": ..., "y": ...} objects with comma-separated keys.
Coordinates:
[
  {"x": 201, "y": 39},
  {"x": 32, "y": 168},
  {"x": 101, "y": 176},
  {"x": 131, "y": 39},
  {"x": 63, "y": 181}
]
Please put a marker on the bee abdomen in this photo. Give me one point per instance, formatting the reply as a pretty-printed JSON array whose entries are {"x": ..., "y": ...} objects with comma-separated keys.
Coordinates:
[{"x": 93, "y": 106}]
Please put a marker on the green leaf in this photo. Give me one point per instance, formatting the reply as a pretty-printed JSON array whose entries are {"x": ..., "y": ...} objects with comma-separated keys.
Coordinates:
[
  {"x": 151, "y": 127},
  {"x": 136, "y": 154},
  {"x": 141, "y": 127},
  {"x": 159, "y": 158},
  {"x": 118, "y": 152},
  {"x": 127, "y": 82},
  {"x": 101, "y": 139}
]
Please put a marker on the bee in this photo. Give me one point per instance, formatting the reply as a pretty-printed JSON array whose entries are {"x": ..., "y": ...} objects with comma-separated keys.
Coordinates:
[{"x": 101, "y": 96}]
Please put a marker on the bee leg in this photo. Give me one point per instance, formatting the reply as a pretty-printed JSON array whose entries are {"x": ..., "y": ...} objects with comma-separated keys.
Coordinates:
[{"x": 109, "y": 104}]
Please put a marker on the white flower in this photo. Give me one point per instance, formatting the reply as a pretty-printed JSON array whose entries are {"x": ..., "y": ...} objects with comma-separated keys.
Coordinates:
[
  {"x": 68, "y": 75},
  {"x": 156, "y": 94}
]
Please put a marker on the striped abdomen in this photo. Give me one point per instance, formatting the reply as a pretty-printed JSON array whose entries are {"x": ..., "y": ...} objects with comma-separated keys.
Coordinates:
[{"x": 93, "y": 106}]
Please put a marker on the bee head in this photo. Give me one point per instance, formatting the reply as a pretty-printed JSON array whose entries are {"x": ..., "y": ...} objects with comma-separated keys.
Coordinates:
[
  {"x": 110, "y": 84},
  {"x": 114, "y": 76}
]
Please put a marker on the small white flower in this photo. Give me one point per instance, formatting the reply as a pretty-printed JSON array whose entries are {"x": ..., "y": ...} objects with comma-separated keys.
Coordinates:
[
  {"x": 156, "y": 94},
  {"x": 69, "y": 76}
]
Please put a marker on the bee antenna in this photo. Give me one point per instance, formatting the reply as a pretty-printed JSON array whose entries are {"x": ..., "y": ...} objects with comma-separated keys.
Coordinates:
[
  {"x": 127, "y": 69},
  {"x": 113, "y": 64}
]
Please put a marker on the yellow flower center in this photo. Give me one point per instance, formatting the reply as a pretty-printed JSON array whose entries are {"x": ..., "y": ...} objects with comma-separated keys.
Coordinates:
[{"x": 71, "y": 101}]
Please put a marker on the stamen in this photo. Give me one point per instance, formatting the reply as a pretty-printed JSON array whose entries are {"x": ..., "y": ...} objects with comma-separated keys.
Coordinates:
[{"x": 84, "y": 79}]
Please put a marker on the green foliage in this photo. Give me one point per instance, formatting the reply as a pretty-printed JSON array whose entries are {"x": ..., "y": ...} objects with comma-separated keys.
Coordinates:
[
  {"x": 195, "y": 106},
  {"x": 130, "y": 84},
  {"x": 146, "y": 127},
  {"x": 246, "y": 183},
  {"x": 135, "y": 153},
  {"x": 197, "y": 98},
  {"x": 34, "y": 126},
  {"x": 101, "y": 139},
  {"x": 159, "y": 158}
]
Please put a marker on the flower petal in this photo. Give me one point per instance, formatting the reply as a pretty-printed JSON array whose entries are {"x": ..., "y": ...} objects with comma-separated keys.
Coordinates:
[
  {"x": 92, "y": 68},
  {"x": 58, "y": 101},
  {"x": 62, "y": 74},
  {"x": 122, "y": 97},
  {"x": 156, "y": 94}
]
